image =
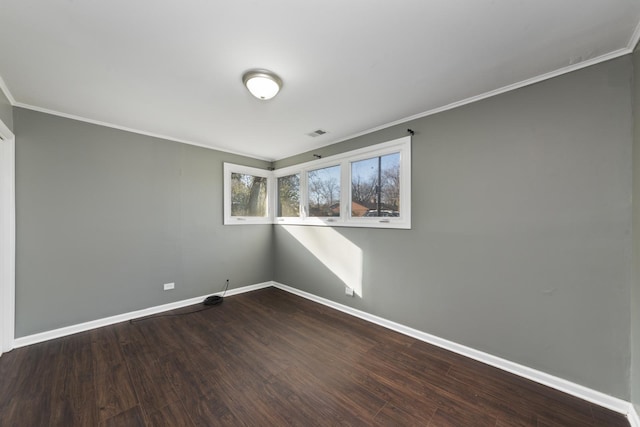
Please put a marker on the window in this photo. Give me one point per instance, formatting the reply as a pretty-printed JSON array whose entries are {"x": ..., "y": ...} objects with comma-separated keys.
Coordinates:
[
  {"x": 289, "y": 196},
  {"x": 375, "y": 187},
  {"x": 369, "y": 187},
  {"x": 324, "y": 192},
  {"x": 246, "y": 195}
]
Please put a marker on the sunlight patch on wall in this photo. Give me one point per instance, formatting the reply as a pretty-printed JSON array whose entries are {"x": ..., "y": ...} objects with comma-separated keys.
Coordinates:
[{"x": 335, "y": 251}]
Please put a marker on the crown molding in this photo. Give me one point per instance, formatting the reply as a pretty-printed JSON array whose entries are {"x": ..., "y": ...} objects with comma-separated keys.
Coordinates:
[
  {"x": 633, "y": 42},
  {"x": 528, "y": 82},
  {"x": 635, "y": 38},
  {"x": 132, "y": 130},
  {"x": 5, "y": 89}
]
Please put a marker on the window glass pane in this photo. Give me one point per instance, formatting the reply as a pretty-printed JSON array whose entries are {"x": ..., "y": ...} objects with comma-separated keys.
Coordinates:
[
  {"x": 375, "y": 186},
  {"x": 248, "y": 195},
  {"x": 324, "y": 192},
  {"x": 289, "y": 195}
]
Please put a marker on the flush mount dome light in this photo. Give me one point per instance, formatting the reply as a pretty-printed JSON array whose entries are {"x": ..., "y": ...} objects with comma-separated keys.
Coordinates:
[{"x": 262, "y": 84}]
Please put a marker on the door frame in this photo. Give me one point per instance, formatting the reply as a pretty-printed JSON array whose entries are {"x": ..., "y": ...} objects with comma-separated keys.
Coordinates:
[{"x": 8, "y": 238}]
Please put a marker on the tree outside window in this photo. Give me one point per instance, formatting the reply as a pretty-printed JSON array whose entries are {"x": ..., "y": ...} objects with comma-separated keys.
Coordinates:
[
  {"x": 248, "y": 195},
  {"x": 289, "y": 196},
  {"x": 324, "y": 192},
  {"x": 375, "y": 186}
]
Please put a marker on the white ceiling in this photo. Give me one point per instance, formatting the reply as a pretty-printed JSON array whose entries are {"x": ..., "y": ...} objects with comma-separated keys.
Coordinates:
[{"x": 174, "y": 69}]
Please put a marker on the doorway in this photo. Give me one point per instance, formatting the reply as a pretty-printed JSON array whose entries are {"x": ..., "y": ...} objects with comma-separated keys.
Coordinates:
[{"x": 7, "y": 238}]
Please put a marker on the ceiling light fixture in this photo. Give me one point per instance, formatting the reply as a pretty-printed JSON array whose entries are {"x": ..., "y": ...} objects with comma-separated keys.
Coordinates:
[{"x": 262, "y": 84}]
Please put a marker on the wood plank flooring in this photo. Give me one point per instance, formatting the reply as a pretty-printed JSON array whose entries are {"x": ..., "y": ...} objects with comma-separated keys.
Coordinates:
[{"x": 268, "y": 358}]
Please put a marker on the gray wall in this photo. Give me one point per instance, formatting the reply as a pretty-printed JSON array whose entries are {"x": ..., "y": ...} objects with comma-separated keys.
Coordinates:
[
  {"x": 635, "y": 291},
  {"x": 106, "y": 217},
  {"x": 6, "y": 111},
  {"x": 521, "y": 241}
]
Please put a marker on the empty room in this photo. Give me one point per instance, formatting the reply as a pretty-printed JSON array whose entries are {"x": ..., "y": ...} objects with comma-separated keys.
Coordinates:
[{"x": 320, "y": 213}]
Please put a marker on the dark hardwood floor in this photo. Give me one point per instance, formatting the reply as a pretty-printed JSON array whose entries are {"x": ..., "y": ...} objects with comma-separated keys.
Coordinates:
[{"x": 268, "y": 358}]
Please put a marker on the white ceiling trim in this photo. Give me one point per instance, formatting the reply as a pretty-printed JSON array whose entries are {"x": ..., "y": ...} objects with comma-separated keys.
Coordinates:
[
  {"x": 136, "y": 131},
  {"x": 603, "y": 58},
  {"x": 5, "y": 89},
  {"x": 584, "y": 64},
  {"x": 635, "y": 38}
]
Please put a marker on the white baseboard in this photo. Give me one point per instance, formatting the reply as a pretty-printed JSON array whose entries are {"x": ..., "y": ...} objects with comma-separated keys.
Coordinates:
[
  {"x": 634, "y": 418},
  {"x": 582, "y": 392},
  {"x": 577, "y": 390},
  {"x": 74, "y": 329}
]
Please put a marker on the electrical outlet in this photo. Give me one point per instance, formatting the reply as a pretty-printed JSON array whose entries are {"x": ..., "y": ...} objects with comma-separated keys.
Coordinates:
[
  {"x": 168, "y": 286},
  {"x": 348, "y": 291}
]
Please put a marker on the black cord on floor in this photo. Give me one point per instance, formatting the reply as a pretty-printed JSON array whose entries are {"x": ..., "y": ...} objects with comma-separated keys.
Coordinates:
[
  {"x": 225, "y": 288},
  {"x": 132, "y": 321},
  {"x": 168, "y": 315}
]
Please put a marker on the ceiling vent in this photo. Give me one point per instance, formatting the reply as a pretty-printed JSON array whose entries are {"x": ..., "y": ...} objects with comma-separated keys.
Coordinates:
[{"x": 317, "y": 132}]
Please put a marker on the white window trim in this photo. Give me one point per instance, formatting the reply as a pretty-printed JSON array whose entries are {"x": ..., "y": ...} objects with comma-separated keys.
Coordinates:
[
  {"x": 230, "y": 168},
  {"x": 400, "y": 145},
  {"x": 344, "y": 160}
]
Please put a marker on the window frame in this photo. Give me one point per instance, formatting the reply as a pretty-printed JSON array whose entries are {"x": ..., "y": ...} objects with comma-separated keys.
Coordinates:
[
  {"x": 229, "y": 169},
  {"x": 400, "y": 145}
]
